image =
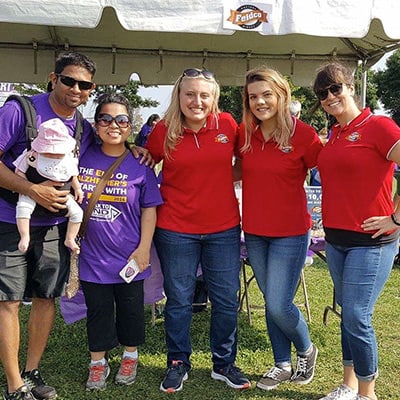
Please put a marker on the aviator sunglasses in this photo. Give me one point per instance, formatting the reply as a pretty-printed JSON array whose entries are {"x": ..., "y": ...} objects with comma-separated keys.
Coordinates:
[
  {"x": 335, "y": 89},
  {"x": 121, "y": 120},
  {"x": 71, "y": 82},
  {"x": 194, "y": 72}
]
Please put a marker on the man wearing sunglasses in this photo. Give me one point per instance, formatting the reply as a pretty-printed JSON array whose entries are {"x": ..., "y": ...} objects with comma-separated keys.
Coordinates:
[{"x": 47, "y": 260}]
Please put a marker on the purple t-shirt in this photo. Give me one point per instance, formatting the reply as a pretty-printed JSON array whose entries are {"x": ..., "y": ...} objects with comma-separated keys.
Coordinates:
[
  {"x": 113, "y": 231},
  {"x": 13, "y": 143}
]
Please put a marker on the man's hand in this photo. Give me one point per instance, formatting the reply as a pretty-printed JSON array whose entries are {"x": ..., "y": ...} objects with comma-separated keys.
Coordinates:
[
  {"x": 138, "y": 151},
  {"x": 47, "y": 195}
]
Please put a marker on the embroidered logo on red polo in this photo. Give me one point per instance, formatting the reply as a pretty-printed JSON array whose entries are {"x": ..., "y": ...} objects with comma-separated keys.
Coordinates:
[
  {"x": 287, "y": 149},
  {"x": 221, "y": 138},
  {"x": 353, "y": 137}
]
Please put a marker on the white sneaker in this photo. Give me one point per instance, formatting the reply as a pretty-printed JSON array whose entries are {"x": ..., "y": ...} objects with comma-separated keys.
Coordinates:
[{"x": 343, "y": 392}]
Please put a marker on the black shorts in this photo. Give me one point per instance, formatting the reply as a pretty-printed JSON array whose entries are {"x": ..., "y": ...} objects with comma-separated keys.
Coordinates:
[
  {"x": 42, "y": 271},
  {"x": 115, "y": 314}
]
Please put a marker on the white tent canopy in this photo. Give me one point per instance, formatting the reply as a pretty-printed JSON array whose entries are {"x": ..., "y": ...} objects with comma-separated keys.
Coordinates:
[{"x": 157, "y": 39}]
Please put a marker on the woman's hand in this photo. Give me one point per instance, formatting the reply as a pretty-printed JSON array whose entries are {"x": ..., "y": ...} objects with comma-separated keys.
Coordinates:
[
  {"x": 142, "y": 258},
  {"x": 379, "y": 224}
]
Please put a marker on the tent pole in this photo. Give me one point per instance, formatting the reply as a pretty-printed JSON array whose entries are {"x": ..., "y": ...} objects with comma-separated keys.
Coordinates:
[{"x": 363, "y": 84}]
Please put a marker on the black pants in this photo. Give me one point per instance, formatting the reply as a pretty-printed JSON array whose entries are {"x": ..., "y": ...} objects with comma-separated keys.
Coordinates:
[{"x": 115, "y": 314}]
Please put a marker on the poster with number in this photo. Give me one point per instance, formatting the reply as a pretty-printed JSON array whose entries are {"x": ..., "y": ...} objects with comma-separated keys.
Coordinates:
[{"x": 314, "y": 196}]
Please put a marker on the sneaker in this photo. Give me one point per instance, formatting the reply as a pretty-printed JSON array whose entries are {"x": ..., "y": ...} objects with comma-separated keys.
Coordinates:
[
  {"x": 22, "y": 393},
  {"x": 127, "y": 371},
  {"x": 361, "y": 397},
  {"x": 305, "y": 367},
  {"x": 176, "y": 374},
  {"x": 343, "y": 392},
  {"x": 27, "y": 301},
  {"x": 232, "y": 376},
  {"x": 37, "y": 385},
  {"x": 98, "y": 374},
  {"x": 274, "y": 377}
]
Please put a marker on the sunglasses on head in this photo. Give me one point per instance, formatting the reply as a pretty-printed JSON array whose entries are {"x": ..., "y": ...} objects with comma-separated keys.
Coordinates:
[
  {"x": 194, "y": 72},
  {"x": 335, "y": 89},
  {"x": 122, "y": 120},
  {"x": 71, "y": 82}
]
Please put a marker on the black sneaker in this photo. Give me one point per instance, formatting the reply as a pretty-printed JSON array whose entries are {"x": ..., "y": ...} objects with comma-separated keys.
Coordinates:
[
  {"x": 232, "y": 376},
  {"x": 305, "y": 367},
  {"x": 22, "y": 393},
  {"x": 37, "y": 385},
  {"x": 176, "y": 374}
]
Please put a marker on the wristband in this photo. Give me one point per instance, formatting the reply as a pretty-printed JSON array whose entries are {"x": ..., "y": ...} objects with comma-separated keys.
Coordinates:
[{"x": 394, "y": 220}]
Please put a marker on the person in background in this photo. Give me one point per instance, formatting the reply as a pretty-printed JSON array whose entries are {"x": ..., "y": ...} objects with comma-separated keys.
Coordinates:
[
  {"x": 47, "y": 259},
  {"x": 120, "y": 229},
  {"x": 295, "y": 108},
  {"x": 143, "y": 135},
  {"x": 198, "y": 224},
  {"x": 361, "y": 226},
  {"x": 52, "y": 157},
  {"x": 276, "y": 151}
]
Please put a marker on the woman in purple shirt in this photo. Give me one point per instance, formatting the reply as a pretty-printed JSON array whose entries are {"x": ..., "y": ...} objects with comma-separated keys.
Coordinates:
[{"x": 120, "y": 230}]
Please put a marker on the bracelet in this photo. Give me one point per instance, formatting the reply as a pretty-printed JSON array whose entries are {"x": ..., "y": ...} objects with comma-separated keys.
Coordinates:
[{"x": 394, "y": 220}]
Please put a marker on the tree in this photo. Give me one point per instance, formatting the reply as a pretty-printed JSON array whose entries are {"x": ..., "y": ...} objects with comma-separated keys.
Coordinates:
[
  {"x": 371, "y": 100},
  {"x": 130, "y": 91},
  {"x": 230, "y": 101},
  {"x": 388, "y": 86}
]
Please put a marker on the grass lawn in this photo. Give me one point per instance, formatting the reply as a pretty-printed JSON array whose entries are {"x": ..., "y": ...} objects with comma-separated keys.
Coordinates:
[{"x": 65, "y": 362}]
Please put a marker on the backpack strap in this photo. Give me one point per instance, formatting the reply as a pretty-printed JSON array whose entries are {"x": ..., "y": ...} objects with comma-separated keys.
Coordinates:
[
  {"x": 78, "y": 132},
  {"x": 30, "y": 117}
]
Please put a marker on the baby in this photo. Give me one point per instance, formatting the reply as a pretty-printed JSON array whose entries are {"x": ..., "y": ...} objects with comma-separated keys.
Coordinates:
[{"x": 52, "y": 158}]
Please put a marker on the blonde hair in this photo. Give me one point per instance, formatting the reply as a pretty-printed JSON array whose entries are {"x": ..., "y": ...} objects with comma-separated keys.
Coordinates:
[
  {"x": 281, "y": 89},
  {"x": 174, "y": 117}
]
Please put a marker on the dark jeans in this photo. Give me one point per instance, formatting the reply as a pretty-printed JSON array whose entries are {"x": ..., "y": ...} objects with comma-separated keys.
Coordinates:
[{"x": 219, "y": 254}]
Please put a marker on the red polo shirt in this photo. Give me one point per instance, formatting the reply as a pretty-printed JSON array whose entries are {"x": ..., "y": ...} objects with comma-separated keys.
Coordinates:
[
  {"x": 274, "y": 201},
  {"x": 197, "y": 181},
  {"x": 356, "y": 175}
]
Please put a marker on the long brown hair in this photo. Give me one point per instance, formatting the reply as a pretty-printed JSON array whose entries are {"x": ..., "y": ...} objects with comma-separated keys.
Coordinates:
[{"x": 282, "y": 91}]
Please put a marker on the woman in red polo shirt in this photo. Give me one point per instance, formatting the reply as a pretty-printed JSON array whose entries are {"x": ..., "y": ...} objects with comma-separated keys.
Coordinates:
[
  {"x": 198, "y": 223},
  {"x": 361, "y": 226},
  {"x": 276, "y": 151}
]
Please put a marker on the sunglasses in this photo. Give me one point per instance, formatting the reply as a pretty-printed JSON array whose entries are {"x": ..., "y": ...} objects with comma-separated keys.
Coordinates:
[
  {"x": 194, "y": 72},
  {"x": 335, "y": 89},
  {"x": 122, "y": 120},
  {"x": 71, "y": 82}
]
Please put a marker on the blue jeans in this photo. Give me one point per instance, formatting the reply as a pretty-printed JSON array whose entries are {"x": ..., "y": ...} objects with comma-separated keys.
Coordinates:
[
  {"x": 359, "y": 275},
  {"x": 219, "y": 255},
  {"x": 277, "y": 263}
]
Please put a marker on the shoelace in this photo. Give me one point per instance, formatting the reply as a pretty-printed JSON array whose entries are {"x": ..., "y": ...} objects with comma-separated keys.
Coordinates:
[
  {"x": 176, "y": 368},
  {"x": 234, "y": 370},
  {"x": 127, "y": 366},
  {"x": 273, "y": 373},
  {"x": 22, "y": 394},
  {"x": 96, "y": 371},
  {"x": 301, "y": 365},
  {"x": 34, "y": 378},
  {"x": 339, "y": 391}
]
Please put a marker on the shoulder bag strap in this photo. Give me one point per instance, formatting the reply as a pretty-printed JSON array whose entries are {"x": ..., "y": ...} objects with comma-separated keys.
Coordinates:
[{"x": 98, "y": 190}]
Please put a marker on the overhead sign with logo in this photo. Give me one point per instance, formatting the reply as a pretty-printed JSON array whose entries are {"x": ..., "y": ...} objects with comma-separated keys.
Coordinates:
[{"x": 247, "y": 15}]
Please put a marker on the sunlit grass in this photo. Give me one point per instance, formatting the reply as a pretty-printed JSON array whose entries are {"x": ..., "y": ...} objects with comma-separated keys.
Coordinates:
[{"x": 66, "y": 359}]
